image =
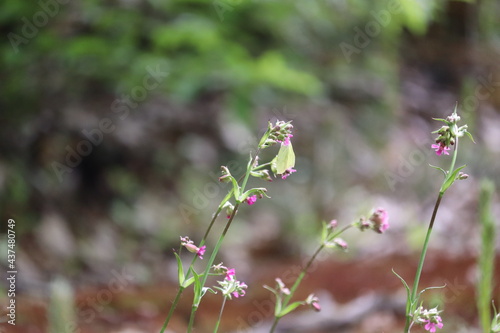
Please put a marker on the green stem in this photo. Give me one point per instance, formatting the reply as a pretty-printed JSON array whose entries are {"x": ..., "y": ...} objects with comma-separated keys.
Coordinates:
[
  {"x": 303, "y": 274},
  {"x": 220, "y": 315},
  {"x": 413, "y": 297},
  {"x": 210, "y": 262},
  {"x": 188, "y": 271},
  {"x": 275, "y": 323},
  {"x": 172, "y": 308}
]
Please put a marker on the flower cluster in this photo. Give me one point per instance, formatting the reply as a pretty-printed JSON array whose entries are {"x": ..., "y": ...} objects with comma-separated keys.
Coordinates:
[
  {"x": 230, "y": 287},
  {"x": 378, "y": 221},
  {"x": 429, "y": 318},
  {"x": 448, "y": 134},
  {"x": 189, "y": 245},
  {"x": 281, "y": 132}
]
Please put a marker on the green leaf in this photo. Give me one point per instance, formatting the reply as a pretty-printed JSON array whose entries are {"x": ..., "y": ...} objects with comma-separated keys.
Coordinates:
[
  {"x": 197, "y": 290},
  {"x": 324, "y": 232},
  {"x": 236, "y": 188},
  {"x": 290, "y": 308},
  {"x": 188, "y": 282},
  {"x": 180, "y": 270},
  {"x": 438, "y": 168},
  {"x": 430, "y": 288},
  {"x": 285, "y": 159},
  {"x": 470, "y": 136},
  {"x": 404, "y": 282},
  {"x": 451, "y": 179}
]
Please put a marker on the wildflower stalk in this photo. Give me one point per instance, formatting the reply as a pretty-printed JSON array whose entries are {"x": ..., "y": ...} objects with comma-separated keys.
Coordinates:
[
  {"x": 412, "y": 302},
  {"x": 220, "y": 315},
  {"x": 279, "y": 133},
  {"x": 188, "y": 271},
  {"x": 210, "y": 262},
  {"x": 486, "y": 265},
  {"x": 302, "y": 274}
]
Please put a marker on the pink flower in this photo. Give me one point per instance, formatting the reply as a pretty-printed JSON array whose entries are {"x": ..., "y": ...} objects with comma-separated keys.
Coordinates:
[
  {"x": 230, "y": 273},
  {"x": 431, "y": 327},
  {"x": 316, "y": 307},
  {"x": 287, "y": 140},
  {"x": 201, "y": 251},
  {"x": 380, "y": 219},
  {"x": 340, "y": 243},
  {"x": 252, "y": 199},
  {"x": 441, "y": 149},
  {"x": 240, "y": 289},
  {"x": 287, "y": 173}
]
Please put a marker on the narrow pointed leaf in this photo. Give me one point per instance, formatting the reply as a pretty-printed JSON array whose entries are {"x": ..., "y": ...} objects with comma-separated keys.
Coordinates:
[
  {"x": 470, "y": 136},
  {"x": 180, "y": 270},
  {"x": 290, "y": 308},
  {"x": 438, "y": 168},
  {"x": 451, "y": 179}
]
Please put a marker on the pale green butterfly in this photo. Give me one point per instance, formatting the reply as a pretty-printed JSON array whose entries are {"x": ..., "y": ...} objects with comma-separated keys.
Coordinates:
[{"x": 284, "y": 160}]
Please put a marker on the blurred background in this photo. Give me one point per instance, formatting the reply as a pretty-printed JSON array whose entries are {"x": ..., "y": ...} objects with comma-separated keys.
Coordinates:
[{"x": 116, "y": 117}]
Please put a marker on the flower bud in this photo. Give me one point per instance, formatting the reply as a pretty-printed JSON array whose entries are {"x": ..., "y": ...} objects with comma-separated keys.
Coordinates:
[
  {"x": 226, "y": 175},
  {"x": 332, "y": 225},
  {"x": 380, "y": 220},
  {"x": 313, "y": 302},
  {"x": 340, "y": 243},
  {"x": 281, "y": 287},
  {"x": 219, "y": 269}
]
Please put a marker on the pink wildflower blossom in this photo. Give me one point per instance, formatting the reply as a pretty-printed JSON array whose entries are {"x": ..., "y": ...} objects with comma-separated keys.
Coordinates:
[
  {"x": 201, "y": 251},
  {"x": 230, "y": 273},
  {"x": 441, "y": 149},
  {"x": 252, "y": 199},
  {"x": 380, "y": 220},
  {"x": 431, "y": 326}
]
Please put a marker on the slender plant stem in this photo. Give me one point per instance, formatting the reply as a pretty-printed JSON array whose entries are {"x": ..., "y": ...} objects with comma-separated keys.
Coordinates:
[
  {"x": 421, "y": 262},
  {"x": 414, "y": 291},
  {"x": 188, "y": 271},
  {"x": 172, "y": 308},
  {"x": 221, "y": 238},
  {"x": 303, "y": 273},
  {"x": 220, "y": 315},
  {"x": 210, "y": 262},
  {"x": 275, "y": 323}
]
